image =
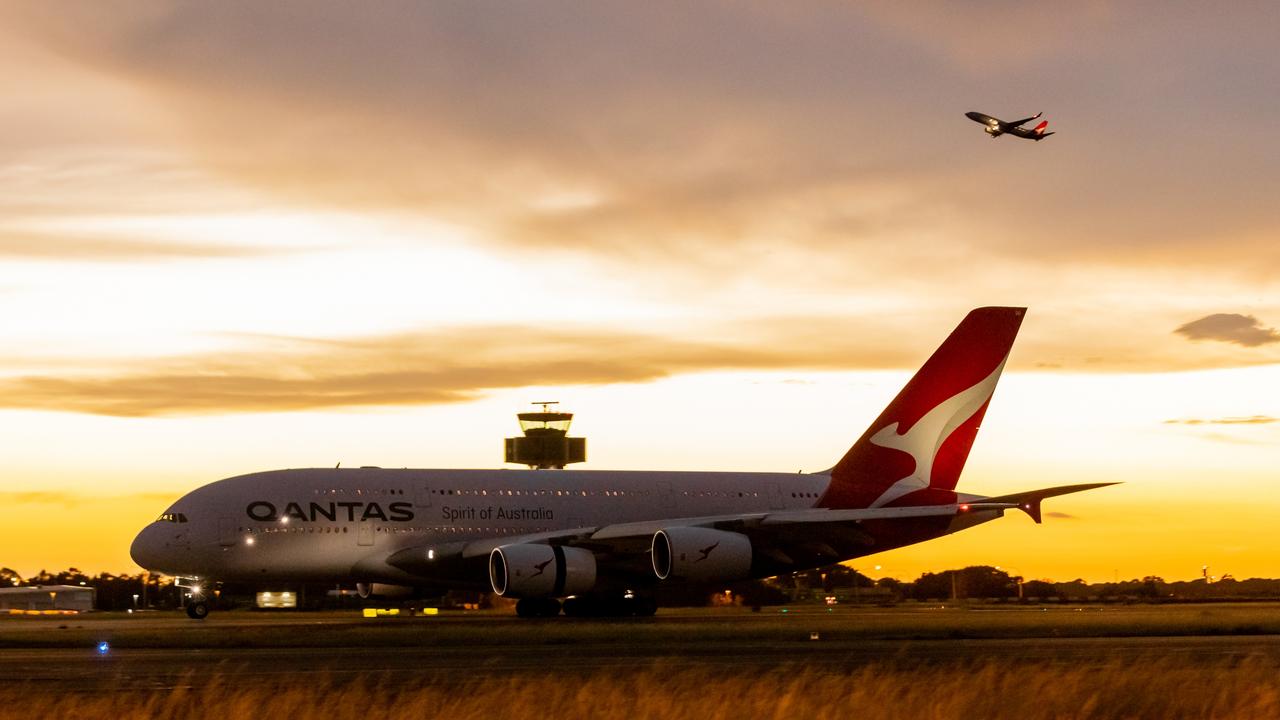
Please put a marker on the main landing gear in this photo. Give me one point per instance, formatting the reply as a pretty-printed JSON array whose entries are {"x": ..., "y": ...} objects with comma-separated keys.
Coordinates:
[
  {"x": 584, "y": 606},
  {"x": 538, "y": 607}
]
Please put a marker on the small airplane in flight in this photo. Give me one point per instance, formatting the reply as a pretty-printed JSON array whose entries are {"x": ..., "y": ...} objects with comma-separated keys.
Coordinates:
[
  {"x": 605, "y": 540},
  {"x": 996, "y": 127}
]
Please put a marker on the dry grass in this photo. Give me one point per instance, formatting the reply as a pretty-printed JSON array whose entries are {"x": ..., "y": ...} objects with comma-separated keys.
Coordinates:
[{"x": 1158, "y": 688}]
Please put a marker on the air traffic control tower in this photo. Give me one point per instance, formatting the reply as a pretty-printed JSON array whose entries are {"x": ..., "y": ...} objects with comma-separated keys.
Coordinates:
[{"x": 546, "y": 445}]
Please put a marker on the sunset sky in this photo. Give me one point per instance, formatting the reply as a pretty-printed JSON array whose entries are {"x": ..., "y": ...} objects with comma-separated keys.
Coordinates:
[{"x": 239, "y": 236}]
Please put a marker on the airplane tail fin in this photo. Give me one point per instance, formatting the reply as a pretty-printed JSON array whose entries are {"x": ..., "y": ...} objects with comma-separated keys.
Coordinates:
[
  {"x": 1039, "y": 129},
  {"x": 914, "y": 452}
]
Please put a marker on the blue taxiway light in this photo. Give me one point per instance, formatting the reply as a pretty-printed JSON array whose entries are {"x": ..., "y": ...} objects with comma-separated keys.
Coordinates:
[{"x": 103, "y": 647}]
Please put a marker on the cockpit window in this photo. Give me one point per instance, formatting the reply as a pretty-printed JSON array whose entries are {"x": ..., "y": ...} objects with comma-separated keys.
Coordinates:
[{"x": 172, "y": 517}]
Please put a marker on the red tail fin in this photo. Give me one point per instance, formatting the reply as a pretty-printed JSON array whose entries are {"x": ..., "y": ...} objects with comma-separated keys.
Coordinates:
[
  {"x": 914, "y": 452},
  {"x": 1040, "y": 128}
]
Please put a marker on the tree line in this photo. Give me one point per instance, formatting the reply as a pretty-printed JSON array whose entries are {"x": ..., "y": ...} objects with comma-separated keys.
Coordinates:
[{"x": 978, "y": 583}]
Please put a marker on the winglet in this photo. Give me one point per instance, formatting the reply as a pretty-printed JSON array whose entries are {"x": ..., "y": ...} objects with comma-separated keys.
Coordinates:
[{"x": 1029, "y": 502}]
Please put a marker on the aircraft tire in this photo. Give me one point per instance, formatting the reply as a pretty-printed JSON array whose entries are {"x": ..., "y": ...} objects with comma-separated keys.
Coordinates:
[
  {"x": 197, "y": 609},
  {"x": 527, "y": 608},
  {"x": 577, "y": 607},
  {"x": 645, "y": 607},
  {"x": 550, "y": 608}
]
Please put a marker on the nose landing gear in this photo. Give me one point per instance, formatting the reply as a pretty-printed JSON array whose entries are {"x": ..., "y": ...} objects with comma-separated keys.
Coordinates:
[{"x": 193, "y": 592}]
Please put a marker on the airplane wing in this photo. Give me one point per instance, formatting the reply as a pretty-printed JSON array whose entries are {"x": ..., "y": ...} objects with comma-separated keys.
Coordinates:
[
  {"x": 1029, "y": 502},
  {"x": 1023, "y": 121},
  {"x": 784, "y": 536}
]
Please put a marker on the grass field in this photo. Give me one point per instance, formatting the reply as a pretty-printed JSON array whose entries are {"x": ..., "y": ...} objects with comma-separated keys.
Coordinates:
[
  {"x": 1028, "y": 668},
  {"x": 1156, "y": 689}
]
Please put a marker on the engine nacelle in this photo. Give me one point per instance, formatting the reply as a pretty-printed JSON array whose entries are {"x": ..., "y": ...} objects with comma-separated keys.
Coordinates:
[
  {"x": 528, "y": 570},
  {"x": 382, "y": 590},
  {"x": 695, "y": 553}
]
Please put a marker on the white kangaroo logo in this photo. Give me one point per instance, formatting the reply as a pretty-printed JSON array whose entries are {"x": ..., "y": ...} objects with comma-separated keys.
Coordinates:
[{"x": 926, "y": 437}]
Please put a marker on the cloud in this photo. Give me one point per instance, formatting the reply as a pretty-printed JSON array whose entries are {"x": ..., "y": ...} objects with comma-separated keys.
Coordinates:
[
  {"x": 1251, "y": 420},
  {"x": 72, "y": 499},
  {"x": 1236, "y": 440},
  {"x": 1234, "y": 328},
  {"x": 1061, "y": 515},
  {"x": 444, "y": 366},
  {"x": 264, "y": 373},
  {"x": 40, "y": 246}
]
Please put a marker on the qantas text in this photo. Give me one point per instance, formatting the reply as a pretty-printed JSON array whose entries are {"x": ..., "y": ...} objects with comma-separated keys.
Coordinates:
[{"x": 262, "y": 511}]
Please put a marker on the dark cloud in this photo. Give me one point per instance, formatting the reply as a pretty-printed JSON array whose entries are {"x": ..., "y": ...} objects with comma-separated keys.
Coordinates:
[
  {"x": 1252, "y": 420},
  {"x": 1061, "y": 515},
  {"x": 709, "y": 131},
  {"x": 1234, "y": 328}
]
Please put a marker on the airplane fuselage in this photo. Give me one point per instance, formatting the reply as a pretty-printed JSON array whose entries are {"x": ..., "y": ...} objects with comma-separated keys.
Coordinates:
[{"x": 341, "y": 525}]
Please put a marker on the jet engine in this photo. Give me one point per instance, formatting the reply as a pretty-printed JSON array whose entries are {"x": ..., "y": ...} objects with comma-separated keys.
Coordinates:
[
  {"x": 698, "y": 554},
  {"x": 529, "y": 570}
]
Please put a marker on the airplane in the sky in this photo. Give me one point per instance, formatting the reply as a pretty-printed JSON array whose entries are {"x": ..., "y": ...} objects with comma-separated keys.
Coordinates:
[
  {"x": 605, "y": 540},
  {"x": 996, "y": 127}
]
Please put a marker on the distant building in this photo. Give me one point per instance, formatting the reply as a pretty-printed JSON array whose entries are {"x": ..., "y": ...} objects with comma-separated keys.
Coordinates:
[{"x": 47, "y": 597}]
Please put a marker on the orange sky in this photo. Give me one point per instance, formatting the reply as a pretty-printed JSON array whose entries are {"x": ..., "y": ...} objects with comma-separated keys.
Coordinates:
[{"x": 239, "y": 237}]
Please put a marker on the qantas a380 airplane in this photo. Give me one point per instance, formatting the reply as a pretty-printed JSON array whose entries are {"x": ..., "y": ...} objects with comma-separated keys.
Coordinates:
[{"x": 605, "y": 539}]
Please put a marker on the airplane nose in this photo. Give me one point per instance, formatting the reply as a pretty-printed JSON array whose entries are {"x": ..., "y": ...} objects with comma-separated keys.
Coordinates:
[{"x": 145, "y": 549}]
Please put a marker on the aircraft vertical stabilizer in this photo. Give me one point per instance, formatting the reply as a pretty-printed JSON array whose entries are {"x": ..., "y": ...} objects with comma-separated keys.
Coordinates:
[{"x": 914, "y": 452}]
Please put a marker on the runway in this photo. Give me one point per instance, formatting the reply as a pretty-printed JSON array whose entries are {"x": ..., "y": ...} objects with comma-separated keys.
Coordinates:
[
  {"x": 165, "y": 650},
  {"x": 83, "y": 669}
]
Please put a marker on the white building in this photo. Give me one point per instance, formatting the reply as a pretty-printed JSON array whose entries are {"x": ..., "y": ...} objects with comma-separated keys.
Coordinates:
[{"x": 47, "y": 597}]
